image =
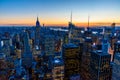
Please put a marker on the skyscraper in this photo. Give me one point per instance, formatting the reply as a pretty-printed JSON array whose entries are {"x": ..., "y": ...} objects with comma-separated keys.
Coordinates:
[
  {"x": 37, "y": 34},
  {"x": 85, "y": 65},
  {"x": 100, "y": 65},
  {"x": 71, "y": 60},
  {"x": 116, "y": 62},
  {"x": 49, "y": 45},
  {"x": 27, "y": 54}
]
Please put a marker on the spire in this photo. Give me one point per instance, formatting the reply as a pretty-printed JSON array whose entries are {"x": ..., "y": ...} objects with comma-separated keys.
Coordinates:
[
  {"x": 37, "y": 18},
  {"x": 71, "y": 17},
  {"x": 88, "y": 21},
  {"x": 37, "y": 22}
]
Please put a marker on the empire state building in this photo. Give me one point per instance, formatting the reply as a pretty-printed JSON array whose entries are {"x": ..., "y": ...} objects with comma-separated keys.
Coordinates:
[{"x": 37, "y": 33}]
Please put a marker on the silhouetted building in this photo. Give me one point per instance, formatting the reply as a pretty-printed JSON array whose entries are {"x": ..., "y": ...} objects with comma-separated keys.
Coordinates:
[
  {"x": 49, "y": 45},
  {"x": 37, "y": 34}
]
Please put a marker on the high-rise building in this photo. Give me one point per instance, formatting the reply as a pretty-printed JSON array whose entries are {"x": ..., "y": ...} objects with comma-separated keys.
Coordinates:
[
  {"x": 105, "y": 45},
  {"x": 100, "y": 65},
  {"x": 27, "y": 54},
  {"x": 6, "y": 47},
  {"x": 71, "y": 60},
  {"x": 58, "y": 69},
  {"x": 3, "y": 67},
  {"x": 49, "y": 45},
  {"x": 37, "y": 33},
  {"x": 113, "y": 28},
  {"x": 116, "y": 62},
  {"x": 86, "y": 56},
  {"x": 80, "y": 55}
]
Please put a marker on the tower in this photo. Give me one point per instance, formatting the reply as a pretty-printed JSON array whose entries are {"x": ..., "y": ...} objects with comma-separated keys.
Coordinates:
[
  {"x": 100, "y": 65},
  {"x": 86, "y": 57},
  {"x": 71, "y": 26},
  {"x": 37, "y": 23},
  {"x": 37, "y": 33},
  {"x": 113, "y": 28},
  {"x": 116, "y": 62},
  {"x": 27, "y": 54},
  {"x": 49, "y": 45},
  {"x": 71, "y": 60},
  {"x": 105, "y": 45}
]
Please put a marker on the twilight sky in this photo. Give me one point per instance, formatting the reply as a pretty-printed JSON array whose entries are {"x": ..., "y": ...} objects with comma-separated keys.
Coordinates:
[{"x": 57, "y": 12}]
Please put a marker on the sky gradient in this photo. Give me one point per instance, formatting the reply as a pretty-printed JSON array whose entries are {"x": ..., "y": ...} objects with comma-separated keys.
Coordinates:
[{"x": 57, "y": 12}]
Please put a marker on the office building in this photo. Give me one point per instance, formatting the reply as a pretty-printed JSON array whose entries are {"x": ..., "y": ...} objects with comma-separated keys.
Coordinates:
[
  {"x": 86, "y": 56},
  {"x": 100, "y": 65},
  {"x": 71, "y": 60}
]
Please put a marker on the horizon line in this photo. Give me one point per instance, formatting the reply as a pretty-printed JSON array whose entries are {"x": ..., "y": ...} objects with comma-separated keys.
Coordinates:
[{"x": 79, "y": 24}]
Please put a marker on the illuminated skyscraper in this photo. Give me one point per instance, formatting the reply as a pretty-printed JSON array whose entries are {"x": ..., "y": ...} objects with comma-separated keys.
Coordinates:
[
  {"x": 49, "y": 45},
  {"x": 37, "y": 33},
  {"x": 100, "y": 65},
  {"x": 71, "y": 60},
  {"x": 71, "y": 26},
  {"x": 113, "y": 28},
  {"x": 105, "y": 45},
  {"x": 87, "y": 48}
]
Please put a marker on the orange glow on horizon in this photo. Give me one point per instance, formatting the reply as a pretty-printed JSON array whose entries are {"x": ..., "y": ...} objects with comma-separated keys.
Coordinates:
[{"x": 31, "y": 22}]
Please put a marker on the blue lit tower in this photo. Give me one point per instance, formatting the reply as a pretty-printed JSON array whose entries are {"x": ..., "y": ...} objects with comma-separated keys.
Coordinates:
[
  {"x": 27, "y": 54},
  {"x": 37, "y": 33},
  {"x": 105, "y": 45},
  {"x": 86, "y": 57}
]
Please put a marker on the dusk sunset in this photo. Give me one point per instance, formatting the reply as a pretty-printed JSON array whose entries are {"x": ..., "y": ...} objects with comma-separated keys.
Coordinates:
[
  {"x": 59, "y": 39},
  {"x": 57, "y": 12}
]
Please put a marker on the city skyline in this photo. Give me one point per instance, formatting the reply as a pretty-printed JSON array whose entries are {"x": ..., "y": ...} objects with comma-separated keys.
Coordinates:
[{"x": 57, "y": 12}]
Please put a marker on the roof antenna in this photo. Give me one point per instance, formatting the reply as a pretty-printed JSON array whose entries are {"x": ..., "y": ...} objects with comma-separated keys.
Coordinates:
[
  {"x": 71, "y": 17},
  {"x": 88, "y": 21}
]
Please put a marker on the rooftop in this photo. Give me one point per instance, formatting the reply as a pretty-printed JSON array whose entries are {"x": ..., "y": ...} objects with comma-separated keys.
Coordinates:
[
  {"x": 70, "y": 45},
  {"x": 100, "y": 52}
]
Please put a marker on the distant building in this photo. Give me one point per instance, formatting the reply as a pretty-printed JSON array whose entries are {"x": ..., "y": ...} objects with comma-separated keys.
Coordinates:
[
  {"x": 49, "y": 45},
  {"x": 71, "y": 60},
  {"x": 113, "y": 28},
  {"x": 105, "y": 45},
  {"x": 37, "y": 33},
  {"x": 70, "y": 28},
  {"x": 3, "y": 67},
  {"x": 6, "y": 47}
]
